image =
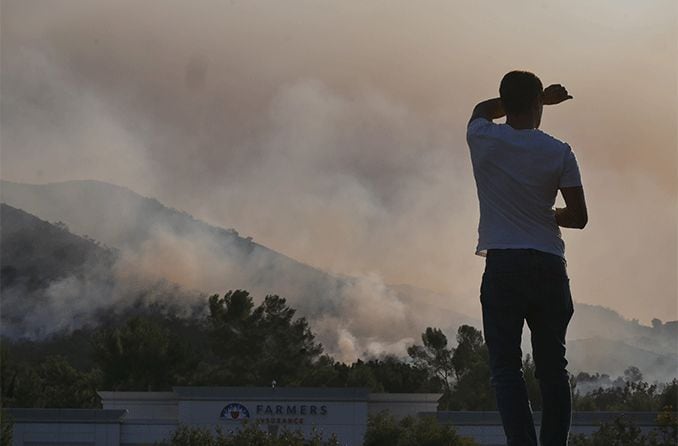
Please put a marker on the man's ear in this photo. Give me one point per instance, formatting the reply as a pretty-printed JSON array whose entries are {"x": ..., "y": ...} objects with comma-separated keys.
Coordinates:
[{"x": 537, "y": 106}]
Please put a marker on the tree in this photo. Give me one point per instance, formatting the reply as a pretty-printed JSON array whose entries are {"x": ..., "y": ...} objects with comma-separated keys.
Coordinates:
[
  {"x": 472, "y": 390},
  {"x": 325, "y": 372},
  {"x": 52, "y": 383},
  {"x": 384, "y": 430},
  {"x": 141, "y": 355},
  {"x": 669, "y": 396},
  {"x": 470, "y": 351},
  {"x": 20, "y": 383},
  {"x": 632, "y": 374},
  {"x": 632, "y": 396},
  {"x": 65, "y": 387},
  {"x": 362, "y": 375},
  {"x": 288, "y": 347},
  {"x": 398, "y": 376},
  {"x": 622, "y": 432},
  {"x": 434, "y": 356},
  {"x": 259, "y": 345},
  {"x": 463, "y": 372}
]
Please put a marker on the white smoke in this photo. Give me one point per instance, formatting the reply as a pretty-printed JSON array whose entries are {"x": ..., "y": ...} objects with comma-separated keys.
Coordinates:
[{"x": 334, "y": 133}]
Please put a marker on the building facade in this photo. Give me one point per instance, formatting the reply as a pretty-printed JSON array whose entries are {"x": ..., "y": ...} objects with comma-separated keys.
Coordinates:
[
  {"x": 148, "y": 418},
  {"x": 145, "y": 418}
]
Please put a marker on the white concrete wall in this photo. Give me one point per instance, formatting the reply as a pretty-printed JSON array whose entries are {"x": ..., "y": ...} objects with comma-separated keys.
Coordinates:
[
  {"x": 401, "y": 405},
  {"x": 142, "y": 405},
  {"x": 71, "y": 434}
]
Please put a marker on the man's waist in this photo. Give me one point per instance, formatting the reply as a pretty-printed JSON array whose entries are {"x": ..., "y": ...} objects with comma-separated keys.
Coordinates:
[
  {"x": 525, "y": 247},
  {"x": 519, "y": 252}
]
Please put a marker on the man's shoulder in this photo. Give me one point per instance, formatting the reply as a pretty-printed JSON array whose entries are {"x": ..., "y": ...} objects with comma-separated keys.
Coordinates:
[
  {"x": 477, "y": 123},
  {"x": 482, "y": 129},
  {"x": 552, "y": 140}
]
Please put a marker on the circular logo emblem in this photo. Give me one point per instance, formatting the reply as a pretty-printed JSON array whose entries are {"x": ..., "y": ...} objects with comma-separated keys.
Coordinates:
[{"x": 235, "y": 411}]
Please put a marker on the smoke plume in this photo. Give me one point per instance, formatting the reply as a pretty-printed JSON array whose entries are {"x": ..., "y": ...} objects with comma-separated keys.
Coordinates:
[{"x": 334, "y": 132}]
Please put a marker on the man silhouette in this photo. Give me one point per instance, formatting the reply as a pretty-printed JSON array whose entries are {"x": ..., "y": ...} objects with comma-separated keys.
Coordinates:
[{"x": 518, "y": 171}]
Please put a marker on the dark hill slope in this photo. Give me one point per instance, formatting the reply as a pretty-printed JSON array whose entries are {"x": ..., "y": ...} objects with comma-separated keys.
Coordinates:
[
  {"x": 35, "y": 253},
  {"x": 127, "y": 221},
  {"x": 53, "y": 281},
  {"x": 145, "y": 230},
  {"x": 362, "y": 311}
]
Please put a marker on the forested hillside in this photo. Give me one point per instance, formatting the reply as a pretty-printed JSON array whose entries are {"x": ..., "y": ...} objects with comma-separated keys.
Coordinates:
[
  {"x": 54, "y": 281},
  {"x": 165, "y": 257},
  {"x": 240, "y": 343},
  {"x": 159, "y": 243}
]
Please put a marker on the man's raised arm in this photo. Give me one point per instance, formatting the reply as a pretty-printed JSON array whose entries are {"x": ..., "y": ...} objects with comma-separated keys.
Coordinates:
[
  {"x": 489, "y": 109},
  {"x": 493, "y": 108}
]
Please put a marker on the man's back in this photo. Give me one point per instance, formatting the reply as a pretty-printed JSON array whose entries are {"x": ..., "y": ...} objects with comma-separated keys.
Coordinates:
[
  {"x": 518, "y": 174},
  {"x": 518, "y": 171}
]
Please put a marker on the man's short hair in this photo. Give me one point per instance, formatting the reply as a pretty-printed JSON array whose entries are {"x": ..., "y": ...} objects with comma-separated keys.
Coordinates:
[{"x": 519, "y": 90}]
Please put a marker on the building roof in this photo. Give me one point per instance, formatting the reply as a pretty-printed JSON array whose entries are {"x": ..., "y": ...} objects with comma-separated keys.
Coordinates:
[
  {"x": 272, "y": 394},
  {"x": 99, "y": 416}
]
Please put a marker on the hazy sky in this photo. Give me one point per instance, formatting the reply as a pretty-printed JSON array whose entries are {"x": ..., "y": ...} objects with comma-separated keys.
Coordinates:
[{"x": 334, "y": 131}]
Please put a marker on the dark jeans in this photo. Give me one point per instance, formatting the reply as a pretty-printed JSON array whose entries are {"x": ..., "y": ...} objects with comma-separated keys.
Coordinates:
[{"x": 528, "y": 285}]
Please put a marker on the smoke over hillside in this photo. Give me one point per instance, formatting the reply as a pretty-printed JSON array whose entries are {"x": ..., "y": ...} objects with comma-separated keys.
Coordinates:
[
  {"x": 334, "y": 132},
  {"x": 54, "y": 280},
  {"x": 352, "y": 316}
]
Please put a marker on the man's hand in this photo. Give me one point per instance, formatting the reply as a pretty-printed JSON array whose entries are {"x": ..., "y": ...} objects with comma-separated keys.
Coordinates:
[{"x": 555, "y": 94}]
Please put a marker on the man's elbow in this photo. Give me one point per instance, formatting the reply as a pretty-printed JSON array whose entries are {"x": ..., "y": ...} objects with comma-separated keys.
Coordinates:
[
  {"x": 568, "y": 218},
  {"x": 581, "y": 221},
  {"x": 481, "y": 111}
]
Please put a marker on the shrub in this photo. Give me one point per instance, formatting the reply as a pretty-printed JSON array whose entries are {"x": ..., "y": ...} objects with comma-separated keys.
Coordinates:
[
  {"x": 622, "y": 432},
  {"x": 249, "y": 435},
  {"x": 6, "y": 429},
  {"x": 384, "y": 430}
]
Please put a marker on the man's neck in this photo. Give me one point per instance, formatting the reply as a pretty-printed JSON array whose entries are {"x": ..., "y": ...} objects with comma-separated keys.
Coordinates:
[{"x": 520, "y": 122}]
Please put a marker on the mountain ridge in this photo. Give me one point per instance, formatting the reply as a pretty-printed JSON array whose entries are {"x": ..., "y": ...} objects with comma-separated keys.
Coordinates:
[
  {"x": 55, "y": 281},
  {"x": 148, "y": 233},
  {"x": 361, "y": 312}
]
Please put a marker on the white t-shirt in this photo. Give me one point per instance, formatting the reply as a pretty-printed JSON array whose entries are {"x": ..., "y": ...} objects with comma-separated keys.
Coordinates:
[{"x": 518, "y": 174}]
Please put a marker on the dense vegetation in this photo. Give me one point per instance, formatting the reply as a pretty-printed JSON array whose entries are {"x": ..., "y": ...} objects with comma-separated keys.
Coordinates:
[
  {"x": 622, "y": 432},
  {"x": 239, "y": 343},
  {"x": 249, "y": 435},
  {"x": 382, "y": 430},
  {"x": 385, "y": 430}
]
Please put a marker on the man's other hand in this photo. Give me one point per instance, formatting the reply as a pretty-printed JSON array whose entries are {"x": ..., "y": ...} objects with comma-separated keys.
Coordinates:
[{"x": 555, "y": 94}]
